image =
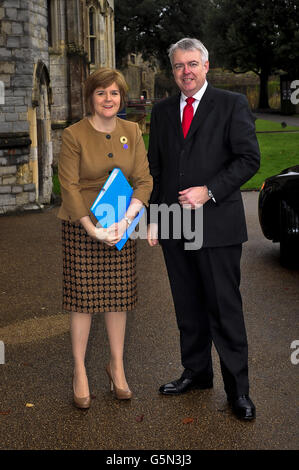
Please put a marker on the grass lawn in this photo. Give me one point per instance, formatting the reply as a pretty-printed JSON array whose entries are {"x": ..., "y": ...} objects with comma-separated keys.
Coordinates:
[
  {"x": 146, "y": 139},
  {"x": 56, "y": 184},
  {"x": 262, "y": 125},
  {"x": 278, "y": 151}
]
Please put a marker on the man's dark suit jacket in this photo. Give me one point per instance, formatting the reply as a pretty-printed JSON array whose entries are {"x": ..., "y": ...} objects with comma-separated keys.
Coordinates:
[{"x": 220, "y": 151}]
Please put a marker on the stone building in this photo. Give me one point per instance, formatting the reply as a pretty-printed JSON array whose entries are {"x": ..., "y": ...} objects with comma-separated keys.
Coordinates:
[
  {"x": 140, "y": 76},
  {"x": 47, "y": 48}
]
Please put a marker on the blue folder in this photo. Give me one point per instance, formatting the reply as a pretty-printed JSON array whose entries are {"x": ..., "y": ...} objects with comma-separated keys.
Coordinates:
[{"x": 112, "y": 203}]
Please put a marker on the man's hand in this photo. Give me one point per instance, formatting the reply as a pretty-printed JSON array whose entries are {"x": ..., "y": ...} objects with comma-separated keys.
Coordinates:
[
  {"x": 193, "y": 198},
  {"x": 152, "y": 234}
]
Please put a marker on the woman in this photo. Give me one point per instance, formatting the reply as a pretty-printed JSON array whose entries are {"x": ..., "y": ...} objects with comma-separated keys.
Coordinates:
[{"x": 96, "y": 276}]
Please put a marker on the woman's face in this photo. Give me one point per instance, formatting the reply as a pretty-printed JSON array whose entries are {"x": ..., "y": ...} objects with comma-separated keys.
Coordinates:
[{"x": 106, "y": 101}]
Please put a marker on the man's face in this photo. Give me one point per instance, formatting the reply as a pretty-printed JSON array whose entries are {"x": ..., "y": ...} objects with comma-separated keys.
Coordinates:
[{"x": 189, "y": 71}]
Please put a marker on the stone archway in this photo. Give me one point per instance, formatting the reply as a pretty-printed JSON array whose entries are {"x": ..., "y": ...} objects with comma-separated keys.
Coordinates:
[{"x": 40, "y": 134}]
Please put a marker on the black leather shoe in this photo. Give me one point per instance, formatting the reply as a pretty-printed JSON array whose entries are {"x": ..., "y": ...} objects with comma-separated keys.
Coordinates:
[
  {"x": 242, "y": 407},
  {"x": 183, "y": 385}
]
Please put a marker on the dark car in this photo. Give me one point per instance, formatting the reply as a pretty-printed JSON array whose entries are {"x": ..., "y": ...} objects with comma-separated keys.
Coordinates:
[{"x": 279, "y": 213}]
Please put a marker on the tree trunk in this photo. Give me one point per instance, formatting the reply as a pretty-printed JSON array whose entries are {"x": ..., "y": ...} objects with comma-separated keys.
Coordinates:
[{"x": 263, "y": 98}]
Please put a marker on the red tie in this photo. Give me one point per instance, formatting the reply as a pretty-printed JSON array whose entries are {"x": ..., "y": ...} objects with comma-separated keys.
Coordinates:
[{"x": 187, "y": 115}]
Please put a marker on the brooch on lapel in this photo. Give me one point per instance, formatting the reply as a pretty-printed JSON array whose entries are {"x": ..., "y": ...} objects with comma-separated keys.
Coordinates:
[{"x": 124, "y": 141}]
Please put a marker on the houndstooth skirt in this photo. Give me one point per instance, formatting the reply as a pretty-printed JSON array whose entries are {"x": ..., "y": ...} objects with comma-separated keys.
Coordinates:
[{"x": 96, "y": 277}]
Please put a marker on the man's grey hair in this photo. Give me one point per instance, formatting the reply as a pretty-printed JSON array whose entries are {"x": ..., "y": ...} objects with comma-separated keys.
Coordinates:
[{"x": 188, "y": 44}]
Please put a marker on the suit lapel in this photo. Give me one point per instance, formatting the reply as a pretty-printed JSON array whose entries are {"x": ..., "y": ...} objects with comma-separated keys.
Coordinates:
[
  {"x": 205, "y": 106},
  {"x": 174, "y": 115}
]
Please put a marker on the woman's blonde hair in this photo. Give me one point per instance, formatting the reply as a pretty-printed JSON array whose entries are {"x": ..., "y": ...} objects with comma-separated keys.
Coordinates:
[{"x": 102, "y": 78}]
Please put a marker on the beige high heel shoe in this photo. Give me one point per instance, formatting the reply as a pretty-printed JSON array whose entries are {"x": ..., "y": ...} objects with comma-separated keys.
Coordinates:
[
  {"x": 120, "y": 394},
  {"x": 81, "y": 402}
]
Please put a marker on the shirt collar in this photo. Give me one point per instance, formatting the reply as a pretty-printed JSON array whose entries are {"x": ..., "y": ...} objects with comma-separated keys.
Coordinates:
[{"x": 197, "y": 95}]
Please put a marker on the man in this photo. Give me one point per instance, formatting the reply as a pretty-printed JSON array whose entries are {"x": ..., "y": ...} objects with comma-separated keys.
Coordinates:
[{"x": 205, "y": 166}]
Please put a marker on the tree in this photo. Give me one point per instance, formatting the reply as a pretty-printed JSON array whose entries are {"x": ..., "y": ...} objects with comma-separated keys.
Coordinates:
[
  {"x": 150, "y": 26},
  {"x": 258, "y": 36},
  {"x": 288, "y": 43}
]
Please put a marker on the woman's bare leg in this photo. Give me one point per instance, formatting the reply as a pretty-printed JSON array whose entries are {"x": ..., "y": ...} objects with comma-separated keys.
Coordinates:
[
  {"x": 116, "y": 329},
  {"x": 80, "y": 327}
]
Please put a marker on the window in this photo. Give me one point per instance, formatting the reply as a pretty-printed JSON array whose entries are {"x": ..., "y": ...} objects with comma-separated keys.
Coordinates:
[
  {"x": 50, "y": 38},
  {"x": 92, "y": 35},
  {"x": 2, "y": 98},
  {"x": 102, "y": 39},
  {"x": 53, "y": 23}
]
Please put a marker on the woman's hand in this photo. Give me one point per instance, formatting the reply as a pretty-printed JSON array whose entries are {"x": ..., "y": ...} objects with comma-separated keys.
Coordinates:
[
  {"x": 112, "y": 234},
  {"x": 115, "y": 232}
]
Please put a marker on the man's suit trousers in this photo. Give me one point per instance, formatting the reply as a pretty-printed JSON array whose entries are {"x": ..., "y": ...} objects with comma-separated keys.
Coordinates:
[{"x": 208, "y": 304}]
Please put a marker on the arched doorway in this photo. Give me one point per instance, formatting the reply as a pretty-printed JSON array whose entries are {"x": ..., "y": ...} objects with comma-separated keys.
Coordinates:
[{"x": 41, "y": 151}]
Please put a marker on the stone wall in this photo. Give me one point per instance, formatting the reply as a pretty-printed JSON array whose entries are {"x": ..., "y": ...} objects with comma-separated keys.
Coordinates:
[
  {"x": 140, "y": 77},
  {"x": 15, "y": 67},
  {"x": 69, "y": 58},
  {"x": 23, "y": 42},
  {"x": 44, "y": 60},
  {"x": 247, "y": 83},
  {"x": 16, "y": 187}
]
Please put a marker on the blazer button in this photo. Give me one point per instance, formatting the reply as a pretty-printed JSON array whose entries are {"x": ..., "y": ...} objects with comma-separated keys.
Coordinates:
[
  {"x": 110, "y": 155},
  {"x": 108, "y": 136}
]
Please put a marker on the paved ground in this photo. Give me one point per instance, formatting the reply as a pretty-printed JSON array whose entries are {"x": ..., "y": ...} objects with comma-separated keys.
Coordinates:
[
  {"x": 289, "y": 120},
  {"x": 38, "y": 364}
]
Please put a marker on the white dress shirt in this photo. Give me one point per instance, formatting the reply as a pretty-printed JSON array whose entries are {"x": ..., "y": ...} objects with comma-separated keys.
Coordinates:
[{"x": 198, "y": 96}]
